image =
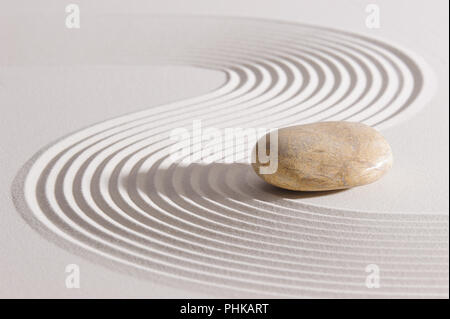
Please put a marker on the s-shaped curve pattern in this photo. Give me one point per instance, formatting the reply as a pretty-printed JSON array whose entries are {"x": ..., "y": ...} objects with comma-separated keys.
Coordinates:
[{"x": 110, "y": 192}]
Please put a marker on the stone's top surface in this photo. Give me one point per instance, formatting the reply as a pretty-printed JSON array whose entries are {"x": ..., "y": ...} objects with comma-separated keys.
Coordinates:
[{"x": 328, "y": 156}]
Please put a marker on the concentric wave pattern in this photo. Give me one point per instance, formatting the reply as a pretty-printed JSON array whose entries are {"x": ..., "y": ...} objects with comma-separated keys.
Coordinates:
[{"x": 111, "y": 193}]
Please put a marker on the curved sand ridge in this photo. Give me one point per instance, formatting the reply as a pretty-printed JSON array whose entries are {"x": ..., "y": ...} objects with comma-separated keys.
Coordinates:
[{"x": 111, "y": 193}]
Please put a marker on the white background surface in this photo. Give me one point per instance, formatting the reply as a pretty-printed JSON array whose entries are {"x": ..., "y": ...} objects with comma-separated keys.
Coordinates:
[{"x": 40, "y": 104}]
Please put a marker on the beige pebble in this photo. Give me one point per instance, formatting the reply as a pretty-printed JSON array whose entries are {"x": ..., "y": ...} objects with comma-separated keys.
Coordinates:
[{"x": 328, "y": 156}]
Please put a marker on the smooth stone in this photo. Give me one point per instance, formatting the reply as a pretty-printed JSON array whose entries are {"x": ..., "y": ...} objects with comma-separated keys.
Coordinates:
[{"x": 328, "y": 156}]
